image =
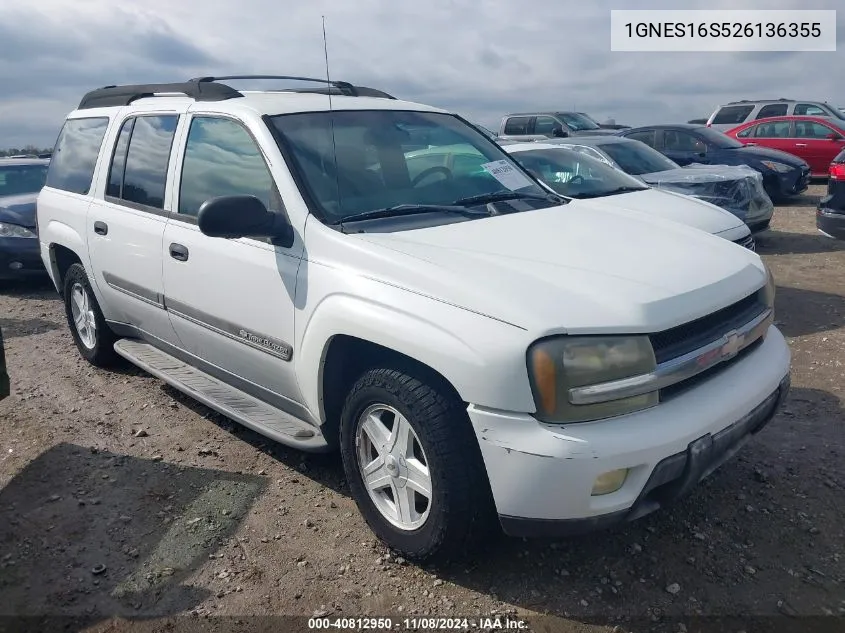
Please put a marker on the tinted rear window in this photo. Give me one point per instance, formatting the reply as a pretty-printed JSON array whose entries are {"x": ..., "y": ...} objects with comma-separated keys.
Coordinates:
[
  {"x": 75, "y": 155},
  {"x": 732, "y": 114},
  {"x": 772, "y": 109},
  {"x": 518, "y": 125}
]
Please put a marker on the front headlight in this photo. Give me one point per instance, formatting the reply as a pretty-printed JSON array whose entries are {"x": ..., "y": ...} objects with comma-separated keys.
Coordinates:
[
  {"x": 14, "y": 230},
  {"x": 559, "y": 364},
  {"x": 778, "y": 167},
  {"x": 769, "y": 289}
]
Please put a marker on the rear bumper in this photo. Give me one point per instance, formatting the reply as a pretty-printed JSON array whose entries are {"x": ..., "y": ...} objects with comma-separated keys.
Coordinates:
[
  {"x": 19, "y": 257},
  {"x": 830, "y": 223}
]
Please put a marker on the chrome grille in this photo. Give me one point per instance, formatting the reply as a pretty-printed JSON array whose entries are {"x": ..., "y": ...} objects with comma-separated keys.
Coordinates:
[{"x": 747, "y": 242}]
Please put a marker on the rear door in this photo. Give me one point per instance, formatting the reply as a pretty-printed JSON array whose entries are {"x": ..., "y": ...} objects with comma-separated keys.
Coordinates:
[
  {"x": 126, "y": 222},
  {"x": 813, "y": 144},
  {"x": 774, "y": 134}
]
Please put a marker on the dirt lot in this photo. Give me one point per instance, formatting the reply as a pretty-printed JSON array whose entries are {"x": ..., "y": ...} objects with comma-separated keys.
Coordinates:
[{"x": 120, "y": 498}]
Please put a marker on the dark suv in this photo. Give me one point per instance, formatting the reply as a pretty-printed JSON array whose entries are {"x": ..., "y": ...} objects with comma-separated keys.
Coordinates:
[
  {"x": 830, "y": 216},
  {"x": 541, "y": 125}
]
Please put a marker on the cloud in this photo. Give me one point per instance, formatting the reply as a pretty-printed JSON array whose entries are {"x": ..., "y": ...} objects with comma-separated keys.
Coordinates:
[{"x": 483, "y": 59}]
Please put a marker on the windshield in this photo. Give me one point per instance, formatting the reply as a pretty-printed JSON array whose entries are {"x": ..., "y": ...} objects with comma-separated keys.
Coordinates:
[
  {"x": 370, "y": 160},
  {"x": 589, "y": 118},
  {"x": 714, "y": 137},
  {"x": 578, "y": 122},
  {"x": 20, "y": 179},
  {"x": 637, "y": 158},
  {"x": 576, "y": 175}
]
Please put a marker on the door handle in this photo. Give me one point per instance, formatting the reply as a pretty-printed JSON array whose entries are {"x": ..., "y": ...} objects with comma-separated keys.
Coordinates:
[
  {"x": 101, "y": 228},
  {"x": 179, "y": 252},
  {"x": 751, "y": 143},
  {"x": 800, "y": 145}
]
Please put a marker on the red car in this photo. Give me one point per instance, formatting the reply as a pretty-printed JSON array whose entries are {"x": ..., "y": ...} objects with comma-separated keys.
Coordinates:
[{"x": 815, "y": 139}]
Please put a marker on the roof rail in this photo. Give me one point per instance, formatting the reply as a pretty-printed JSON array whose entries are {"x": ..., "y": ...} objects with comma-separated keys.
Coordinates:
[{"x": 206, "y": 89}]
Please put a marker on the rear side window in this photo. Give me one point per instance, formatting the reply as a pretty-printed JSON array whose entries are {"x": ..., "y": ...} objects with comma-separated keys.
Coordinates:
[
  {"x": 75, "y": 155},
  {"x": 518, "y": 125},
  {"x": 732, "y": 114},
  {"x": 138, "y": 172},
  {"x": 779, "y": 129},
  {"x": 772, "y": 109}
]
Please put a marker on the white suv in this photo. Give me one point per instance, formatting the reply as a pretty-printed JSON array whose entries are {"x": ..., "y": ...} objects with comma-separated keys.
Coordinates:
[{"x": 472, "y": 344}]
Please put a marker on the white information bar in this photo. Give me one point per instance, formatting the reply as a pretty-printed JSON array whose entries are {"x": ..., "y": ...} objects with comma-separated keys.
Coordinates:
[{"x": 723, "y": 30}]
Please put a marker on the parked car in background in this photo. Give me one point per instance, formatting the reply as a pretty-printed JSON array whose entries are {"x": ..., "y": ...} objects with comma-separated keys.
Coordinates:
[
  {"x": 738, "y": 190},
  {"x": 576, "y": 175},
  {"x": 735, "y": 113},
  {"x": 20, "y": 181},
  {"x": 540, "y": 125},
  {"x": 816, "y": 140},
  {"x": 784, "y": 175},
  {"x": 830, "y": 215}
]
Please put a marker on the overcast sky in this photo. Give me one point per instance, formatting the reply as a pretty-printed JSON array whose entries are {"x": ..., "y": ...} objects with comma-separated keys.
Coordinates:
[{"x": 482, "y": 59}]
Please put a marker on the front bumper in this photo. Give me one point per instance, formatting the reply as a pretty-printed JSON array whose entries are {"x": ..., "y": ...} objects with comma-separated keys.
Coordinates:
[
  {"x": 793, "y": 182},
  {"x": 830, "y": 223},
  {"x": 542, "y": 476},
  {"x": 19, "y": 257}
]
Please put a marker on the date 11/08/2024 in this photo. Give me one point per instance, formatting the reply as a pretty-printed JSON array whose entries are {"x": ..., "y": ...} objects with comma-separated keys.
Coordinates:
[{"x": 418, "y": 624}]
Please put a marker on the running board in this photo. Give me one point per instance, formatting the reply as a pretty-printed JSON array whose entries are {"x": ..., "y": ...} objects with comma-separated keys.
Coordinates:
[{"x": 224, "y": 398}]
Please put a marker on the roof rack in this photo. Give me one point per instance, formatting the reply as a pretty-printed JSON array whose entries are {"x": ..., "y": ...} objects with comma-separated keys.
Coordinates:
[{"x": 209, "y": 89}]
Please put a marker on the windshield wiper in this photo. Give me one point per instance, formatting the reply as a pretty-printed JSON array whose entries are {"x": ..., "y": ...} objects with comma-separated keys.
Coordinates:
[
  {"x": 500, "y": 196},
  {"x": 609, "y": 192},
  {"x": 410, "y": 209}
]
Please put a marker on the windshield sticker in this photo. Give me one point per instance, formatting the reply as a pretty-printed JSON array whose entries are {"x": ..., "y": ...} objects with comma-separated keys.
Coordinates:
[{"x": 505, "y": 173}]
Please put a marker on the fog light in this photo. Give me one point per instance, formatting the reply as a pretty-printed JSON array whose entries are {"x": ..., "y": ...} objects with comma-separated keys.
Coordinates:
[
  {"x": 15, "y": 265},
  {"x": 610, "y": 481}
]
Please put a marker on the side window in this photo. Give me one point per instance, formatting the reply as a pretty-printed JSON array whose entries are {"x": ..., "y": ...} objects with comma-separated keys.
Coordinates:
[
  {"x": 545, "y": 125},
  {"x": 810, "y": 110},
  {"x": 114, "y": 188},
  {"x": 811, "y": 129},
  {"x": 678, "y": 141},
  {"x": 145, "y": 173},
  {"x": 749, "y": 131},
  {"x": 589, "y": 151},
  {"x": 772, "y": 109},
  {"x": 779, "y": 129},
  {"x": 222, "y": 159},
  {"x": 732, "y": 114},
  {"x": 75, "y": 155},
  {"x": 646, "y": 137},
  {"x": 517, "y": 125}
]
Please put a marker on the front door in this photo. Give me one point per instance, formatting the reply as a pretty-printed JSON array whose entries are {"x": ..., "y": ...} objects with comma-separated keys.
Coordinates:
[
  {"x": 684, "y": 148},
  {"x": 813, "y": 143},
  {"x": 231, "y": 302}
]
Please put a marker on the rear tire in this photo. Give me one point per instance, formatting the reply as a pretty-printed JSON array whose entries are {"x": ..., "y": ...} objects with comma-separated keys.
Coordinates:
[
  {"x": 92, "y": 335},
  {"x": 409, "y": 436}
]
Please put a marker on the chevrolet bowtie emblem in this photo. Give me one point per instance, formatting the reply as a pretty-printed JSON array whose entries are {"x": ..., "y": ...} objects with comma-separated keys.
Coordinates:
[{"x": 731, "y": 345}]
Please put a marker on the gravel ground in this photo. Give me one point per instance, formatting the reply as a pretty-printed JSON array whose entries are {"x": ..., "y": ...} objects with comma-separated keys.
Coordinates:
[{"x": 120, "y": 498}]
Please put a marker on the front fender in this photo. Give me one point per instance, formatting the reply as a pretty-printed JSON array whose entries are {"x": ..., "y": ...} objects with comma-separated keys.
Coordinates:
[
  {"x": 483, "y": 359},
  {"x": 57, "y": 233}
]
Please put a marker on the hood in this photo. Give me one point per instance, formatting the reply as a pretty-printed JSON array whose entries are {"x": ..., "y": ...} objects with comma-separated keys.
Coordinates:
[
  {"x": 577, "y": 268},
  {"x": 19, "y": 209},
  {"x": 766, "y": 153},
  {"x": 677, "y": 207}
]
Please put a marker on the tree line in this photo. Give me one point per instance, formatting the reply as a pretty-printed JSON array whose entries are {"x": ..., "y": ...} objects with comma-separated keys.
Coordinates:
[{"x": 28, "y": 149}]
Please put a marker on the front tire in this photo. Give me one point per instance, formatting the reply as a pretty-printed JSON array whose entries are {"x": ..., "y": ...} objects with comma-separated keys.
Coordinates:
[
  {"x": 92, "y": 335},
  {"x": 414, "y": 467}
]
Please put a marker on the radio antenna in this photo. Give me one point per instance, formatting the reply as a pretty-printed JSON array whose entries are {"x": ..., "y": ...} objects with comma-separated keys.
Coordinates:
[{"x": 331, "y": 115}]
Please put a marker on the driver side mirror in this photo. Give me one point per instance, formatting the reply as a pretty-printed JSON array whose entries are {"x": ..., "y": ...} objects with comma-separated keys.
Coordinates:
[
  {"x": 232, "y": 217},
  {"x": 559, "y": 132}
]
